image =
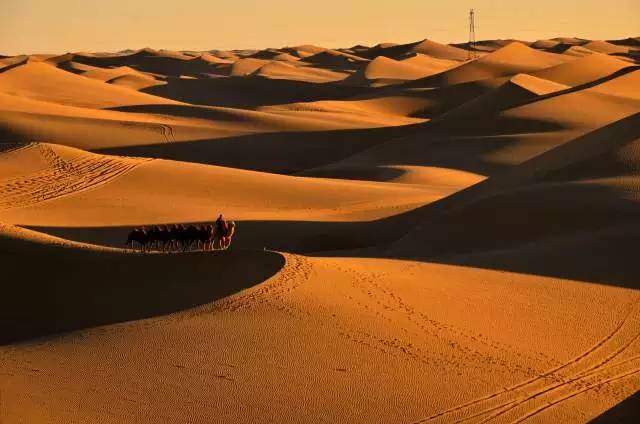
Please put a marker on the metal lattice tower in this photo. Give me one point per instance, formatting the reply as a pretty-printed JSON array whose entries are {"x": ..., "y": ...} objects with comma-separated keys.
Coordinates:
[{"x": 472, "y": 35}]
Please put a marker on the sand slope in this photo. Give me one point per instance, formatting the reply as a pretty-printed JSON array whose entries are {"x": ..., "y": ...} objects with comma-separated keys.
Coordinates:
[
  {"x": 426, "y": 47},
  {"x": 509, "y": 60},
  {"x": 285, "y": 70},
  {"x": 418, "y": 66},
  {"x": 373, "y": 313},
  {"x": 583, "y": 70},
  {"x": 40, "y": 81}
]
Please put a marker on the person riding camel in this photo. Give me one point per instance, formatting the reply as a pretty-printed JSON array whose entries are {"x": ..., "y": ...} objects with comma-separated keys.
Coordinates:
[{"x": 221, "y": 225}]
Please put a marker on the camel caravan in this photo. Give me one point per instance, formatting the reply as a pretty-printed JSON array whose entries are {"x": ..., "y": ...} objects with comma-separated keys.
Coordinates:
[{"x": 181, "y": 238}]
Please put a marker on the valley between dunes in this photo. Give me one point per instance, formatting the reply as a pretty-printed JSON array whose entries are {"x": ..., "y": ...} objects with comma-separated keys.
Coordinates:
[{"x": 422, "y": 237}]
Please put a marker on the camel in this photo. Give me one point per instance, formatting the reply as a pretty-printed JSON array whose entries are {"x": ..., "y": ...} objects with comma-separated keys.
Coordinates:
[
  {"x": 168, "y": 238},
  {"x": 207, "y": 236},
  {"x": 140, "y": 236},
  {"x": 224, "y": 239}
]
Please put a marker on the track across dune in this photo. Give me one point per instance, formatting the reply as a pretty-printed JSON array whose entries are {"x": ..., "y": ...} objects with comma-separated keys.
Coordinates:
[
  {"x": 62, "y": 177},
  {"x": 613, "y": 358}
]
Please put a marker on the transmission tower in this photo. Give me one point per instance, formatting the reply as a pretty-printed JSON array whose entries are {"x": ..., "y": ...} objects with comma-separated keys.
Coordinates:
[{"x": 472, "y": 35}]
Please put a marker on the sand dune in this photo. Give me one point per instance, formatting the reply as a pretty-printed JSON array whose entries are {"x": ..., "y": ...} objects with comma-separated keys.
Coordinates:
[
  {"x": 383, "y": 111},
  {"x": 286, "y": 57},
  {"x": 77, "y": 68},
  {"x": 425, "y": 61},
  {"x": 108, "y": 74},
  {"x": 212, "y": 59},
  {"x": 510, "y": 60},
  {"x": 583, "y": 70},
  {"x": 76, "y": 305},
  {"x": 571, "y": 40},
  {"x": 418, "y": 66},
  {"x": 378, "y": 314},
  {"x": 304, "y": 50},
  {"x": 544, "y": 44},
  {"x": 426, "y": 47},
  {"x": 224, "y": 54},
  {"x": 90, "y": 169},
  {"x": 271, "y": 54},
  {"x": 560, "y": 161},
  {"x": 163, "y": 62},
  {"x": 489, "y": 142},
  {"x": 594, "y": 110},
  {"x": 625, "y": 85},
  {"x": 335, "y": 59},
  {"x": 44, "y": 82},
  {"x": 588, "y": 174},
  {"x": 440, "y": 51},
  {"x": 491, "y": 45},
  {"x": 420, "y": 237},
  {"x": 629, "y": 41},
  {"x": 246, "y": 66},
  {"x": 285, "y": 70},
  {"x": 193, "y": 131},
  {"x": 517, "y": 90},
  {"x": 604, "y": 47},
  {"x": 87, "y": 183},
  {"x": 577, "y": 51},
  {"x": 135, "y": 81}
]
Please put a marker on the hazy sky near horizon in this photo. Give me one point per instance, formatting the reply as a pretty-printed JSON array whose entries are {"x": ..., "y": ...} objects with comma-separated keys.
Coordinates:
[{"x": 46, "y": 26}]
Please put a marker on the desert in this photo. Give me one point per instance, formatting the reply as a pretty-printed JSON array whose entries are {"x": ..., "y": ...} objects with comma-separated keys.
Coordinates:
[{"x": 424, "y": 233}]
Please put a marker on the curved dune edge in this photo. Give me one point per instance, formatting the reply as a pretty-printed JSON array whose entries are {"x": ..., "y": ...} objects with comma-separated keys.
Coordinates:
[
  {"x": 339, "y": 321},
  {"x": 52, "y": 285},
  {"x": 14, "y": 239}
]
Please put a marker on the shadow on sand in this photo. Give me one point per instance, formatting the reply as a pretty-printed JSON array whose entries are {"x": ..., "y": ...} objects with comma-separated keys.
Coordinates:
[
  {"x": 626, "y": 412},
  {"x": 279, "y": 152},
  {"x": 600, "y": 251},
  {"x": 54, "y": 290},
  {"x": 250, "y": 91}
]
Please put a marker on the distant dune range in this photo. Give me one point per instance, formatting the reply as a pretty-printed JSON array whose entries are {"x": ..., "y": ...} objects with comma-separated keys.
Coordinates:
[{"x": 421, "y": 237}]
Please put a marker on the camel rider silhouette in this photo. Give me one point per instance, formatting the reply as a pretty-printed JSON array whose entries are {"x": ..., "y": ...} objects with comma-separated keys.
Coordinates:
[{"x": 221, "y": 225}]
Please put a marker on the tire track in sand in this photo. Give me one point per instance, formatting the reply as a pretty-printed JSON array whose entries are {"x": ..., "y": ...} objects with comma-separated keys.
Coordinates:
[
  {"x": 62, "y": 177},
  {"x": 167, "y": 133},
  {"x": 593, "y": 370},
  {"x": 6, "y": 148},
  {"x": 165, "y": 130}
]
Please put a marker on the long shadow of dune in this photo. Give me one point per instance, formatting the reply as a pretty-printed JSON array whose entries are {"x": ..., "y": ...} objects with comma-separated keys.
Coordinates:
[
  {"x": 588, "y": 146},
  {"x": 536, "y": 219},
  {"x": 182, "y": 111},
  {"x": 145, "y": 62},
  {"x": 297, "y": 151},
  {"x": 19, "y": 62},
  {"x": 280, "y": 152},
  {"x": 428, "y": 148},
  {"x": 509, "y": 219},
  {"x": 600, "y": 256},
  {"x": 56, "y": 290},
  {"x": 598, "y": 248},
  {"x": 531, "y": 219},
  {"x": 250, "y": 92},
  {"x": 305, "y": 237},
  {"x": 605, "y": 257},
  {"x": 626, "y": 412}
]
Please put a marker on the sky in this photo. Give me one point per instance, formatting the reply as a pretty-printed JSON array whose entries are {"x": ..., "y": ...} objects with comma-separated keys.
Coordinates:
[{"x": 59, "y": 26}]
